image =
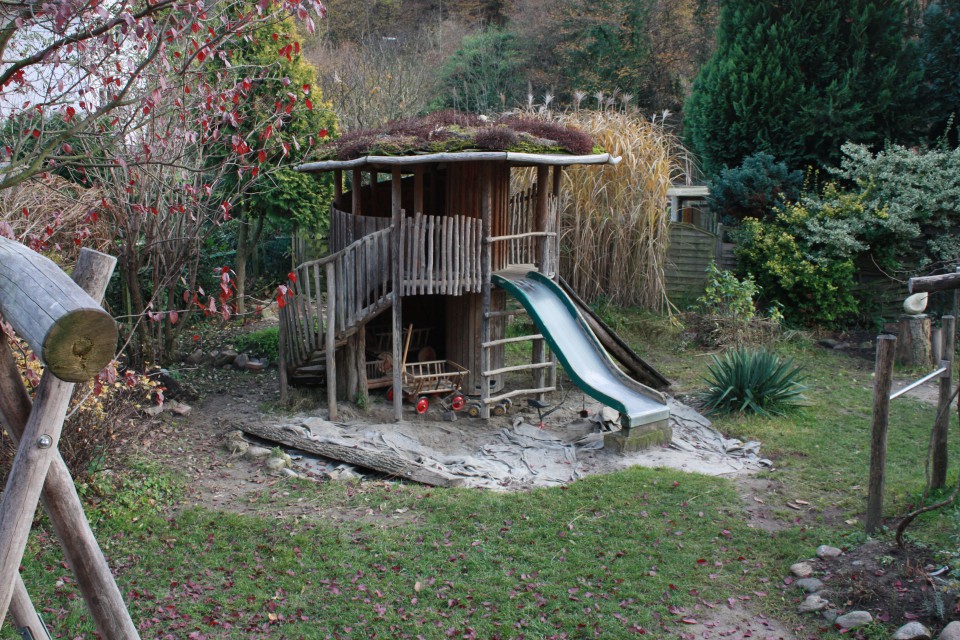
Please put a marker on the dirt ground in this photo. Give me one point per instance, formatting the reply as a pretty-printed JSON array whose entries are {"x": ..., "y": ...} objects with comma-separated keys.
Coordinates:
[{"x": 230, "y": 400}]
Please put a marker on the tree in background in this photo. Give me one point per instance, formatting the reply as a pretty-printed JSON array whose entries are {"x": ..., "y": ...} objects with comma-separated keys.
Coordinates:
[
  {"x": 940, "y": 60},
  {"x": 484, "y": 75},
  {"x": 798, "y": 79},
  {"x": 279, "y": 125}
]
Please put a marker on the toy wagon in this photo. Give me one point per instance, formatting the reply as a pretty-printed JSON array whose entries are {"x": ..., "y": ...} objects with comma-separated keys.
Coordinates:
[{"x": 431, "y": 378}]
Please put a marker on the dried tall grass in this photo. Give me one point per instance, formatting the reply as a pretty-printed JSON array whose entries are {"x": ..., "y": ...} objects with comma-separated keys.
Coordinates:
[{"x": 614, "y": 219}]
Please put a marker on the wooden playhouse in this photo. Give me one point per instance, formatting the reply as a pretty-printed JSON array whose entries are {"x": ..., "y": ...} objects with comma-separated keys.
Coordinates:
[{"x": 417, "y": 243}]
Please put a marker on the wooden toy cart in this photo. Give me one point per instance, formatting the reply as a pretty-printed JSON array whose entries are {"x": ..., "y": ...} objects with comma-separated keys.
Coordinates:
[{"x": 431, "y": 378}]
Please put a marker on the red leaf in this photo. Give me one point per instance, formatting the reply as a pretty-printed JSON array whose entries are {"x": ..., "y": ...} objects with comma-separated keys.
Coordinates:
[{"x": 309, "y": 104}]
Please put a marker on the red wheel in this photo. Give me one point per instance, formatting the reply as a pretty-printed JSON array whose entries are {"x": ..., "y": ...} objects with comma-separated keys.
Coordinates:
[
  {"x": 390, "y": 394},
  {"x": 459, "y": 402},
  {"x": 422, "y": 405}
]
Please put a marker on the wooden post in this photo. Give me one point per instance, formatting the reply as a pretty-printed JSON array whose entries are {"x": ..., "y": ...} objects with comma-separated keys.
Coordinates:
[
  {"x": 417, "y": 189},
  {"x": 913, "y": 344},
  {"x": 282, "y": 357},
  {"x": 82, "y": 553},
  {"x": 486, "y": 211},
  {"x": 396, "y": 272},
  {"x": 73, "y": 336},
  {"x": 338, "y": 188},
  {"x": 941, "y": 428},
  {"x": 330, "y": 342},
  {"x": 541, "y": 222},
  {"x": 883, "y": 382},
  {"x": 24, "y": 612}
]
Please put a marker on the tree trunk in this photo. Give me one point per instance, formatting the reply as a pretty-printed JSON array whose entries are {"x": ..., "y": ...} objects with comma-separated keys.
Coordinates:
[
  {"x": 247, "y": 240},
  {"x": 913, "y": 345}
]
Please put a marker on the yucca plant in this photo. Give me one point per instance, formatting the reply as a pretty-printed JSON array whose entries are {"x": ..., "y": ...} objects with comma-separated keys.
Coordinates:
[{"x": 753, "y": 381}]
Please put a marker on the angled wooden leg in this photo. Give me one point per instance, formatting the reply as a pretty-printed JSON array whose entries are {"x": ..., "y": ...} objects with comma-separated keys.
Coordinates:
[{"x": 24, "y": 613}]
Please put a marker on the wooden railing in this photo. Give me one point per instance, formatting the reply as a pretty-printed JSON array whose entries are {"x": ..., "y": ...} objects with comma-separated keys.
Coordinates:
[
  {"x": 346, "y": 228},
  {"x": 441, "y": 255},
  {"x": 333, "y": 295}
]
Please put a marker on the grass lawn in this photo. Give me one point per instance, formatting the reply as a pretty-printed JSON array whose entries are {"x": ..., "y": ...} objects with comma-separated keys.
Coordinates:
[{"x": 640, "y": 552}]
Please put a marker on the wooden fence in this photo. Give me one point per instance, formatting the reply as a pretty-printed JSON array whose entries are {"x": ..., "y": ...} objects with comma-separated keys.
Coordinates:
[
  {"x": 441, "y": 255},
  {"x": 357, "y": 286},
  {"x": 346, "y": 228}
]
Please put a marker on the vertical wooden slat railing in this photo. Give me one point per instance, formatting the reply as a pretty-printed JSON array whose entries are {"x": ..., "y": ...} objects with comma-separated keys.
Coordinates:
[{"x": 441, "y": 255}]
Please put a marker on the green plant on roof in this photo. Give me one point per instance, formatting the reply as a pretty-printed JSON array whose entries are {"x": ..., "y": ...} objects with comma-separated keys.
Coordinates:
[{"x": 753, "y": 381}]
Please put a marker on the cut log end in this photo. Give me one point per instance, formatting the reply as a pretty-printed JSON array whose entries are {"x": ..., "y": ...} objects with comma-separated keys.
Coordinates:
[{"x": 80, "y": 344}]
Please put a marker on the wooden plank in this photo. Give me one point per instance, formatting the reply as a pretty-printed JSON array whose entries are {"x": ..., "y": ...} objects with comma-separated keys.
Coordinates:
[
  {"x": 520, "y": 367},
  {"x": 944, "y": 282}
]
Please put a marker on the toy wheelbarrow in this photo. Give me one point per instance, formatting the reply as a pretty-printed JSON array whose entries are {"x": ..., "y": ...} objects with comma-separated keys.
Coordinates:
[{"x": 432, "y": 378}]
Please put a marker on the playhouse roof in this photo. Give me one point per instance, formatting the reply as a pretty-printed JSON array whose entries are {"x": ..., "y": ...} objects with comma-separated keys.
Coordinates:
[
  {"x": 449, "y": 136},
  {"x": 519, "y": 159}
]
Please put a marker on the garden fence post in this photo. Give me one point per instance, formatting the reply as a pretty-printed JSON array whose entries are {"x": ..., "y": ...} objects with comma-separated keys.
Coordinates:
[
  {"x": 941, "y": 428},
  {"x": 883, "y": 381}
]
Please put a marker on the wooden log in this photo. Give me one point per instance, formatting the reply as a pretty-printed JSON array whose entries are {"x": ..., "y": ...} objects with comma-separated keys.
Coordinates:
[
  {"x": 913, "y": 344},
  {"x": 73, "y": 336},
  {"x": 942, "y": 282},
  {"x": 941, "y": 428},
  {"x": 347, "y": 451},
  {"x": 81, "y": 551},
  {"x": 541, "y": 223},
  {"x": 883, "y": 381}
]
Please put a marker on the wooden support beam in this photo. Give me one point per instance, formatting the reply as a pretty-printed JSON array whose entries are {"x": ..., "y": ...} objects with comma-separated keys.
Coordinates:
[
  {"x": 941, "y": 428},
  {"x": 330, "y": 342},
  {"x": 942, "y": 282},
  {"x": 338, "y": 188},
  {"x": 73, "y": 336},
  {"x": 396, "y": 275},
  {"x": 418, "y": 189},
  {"x": 356, "y": 204},
  {"x": 486, "y": 223},
  {"x": 882, "y": 383},
  {"x": 24, "y": 612},
  {"x": 81, "y": 551}
]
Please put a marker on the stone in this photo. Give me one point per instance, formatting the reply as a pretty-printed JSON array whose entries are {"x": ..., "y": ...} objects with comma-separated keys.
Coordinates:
[
  {"x": 912, "y": 631},
  {"x": 241, "y": 361},
  {"x": 950, "y": 632},
  {"x": 195, "y": 357},
  {"x": 812, "y": 603},
  {"x": 853, "y": 620},
  {"x": 257, "y": 453},
  {"x": 829, "y": 343},
  {"x": 801, "y": 569},
  {"x": 179, "y": 408},
  {"x": 256, "y": 366},
  {"x": 154, "y": 410},
  {"x": 225, "y": 357},
  {"x": 826, "y": 551},
  {"x": 289, "y": 472},
  {"x": 810, "y": 585},
  {"x": 276, "y": 463},
  {"x": 449, "y": 416},
  {"x": 829, "y": 615}
]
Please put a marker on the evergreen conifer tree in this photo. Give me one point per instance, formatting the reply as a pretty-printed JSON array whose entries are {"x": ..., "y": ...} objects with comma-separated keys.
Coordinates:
[{"x": 798, "y": 79}]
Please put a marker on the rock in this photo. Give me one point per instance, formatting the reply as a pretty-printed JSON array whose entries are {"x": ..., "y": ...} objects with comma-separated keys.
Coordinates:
[
  {"x": 853, "y": 620},
  {"x": 916, "y": 304},
  {"x": 830, "y": 615},
  {"x": 225, "y": 357},
  {"x": 912, "y": 631},
  {"x": 449, "y": 416},
  {"x": 276, "y": 463},
  {"x": 810, "y": 585},
  {"x": 287, "y": 471},
  {"x": 256, "y": 366},
  {"x": 950, "y": 632},
  {"x": 801, "y": 569},
  {"x": 257, "y": 453},
  {"x": 179, "y": 408},
  {"x": 826, "y": 551},
  {"x": 829, "y": 343},
  {"x": 154, "y": 410},
  {"x": 241, "y": 361},
  {"x": 195, "y": 357},
  {"x": 840, "y": 346},
  {"x": 811, "y": 604}
]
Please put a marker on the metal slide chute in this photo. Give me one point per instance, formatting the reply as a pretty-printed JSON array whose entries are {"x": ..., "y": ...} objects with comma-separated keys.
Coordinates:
[{"x": 579, "y": 350}]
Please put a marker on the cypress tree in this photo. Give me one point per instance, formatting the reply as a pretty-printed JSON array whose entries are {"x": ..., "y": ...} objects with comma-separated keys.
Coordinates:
[
  {"x": 798, "y": 79},
  {"x": 940, "y": 60}
]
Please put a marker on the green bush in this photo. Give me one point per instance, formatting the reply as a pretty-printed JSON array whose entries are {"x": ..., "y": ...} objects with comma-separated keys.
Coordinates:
[
  {"x": 264, "y": 343},
  {"x": 748, "y": 381},
  {"x": 803, "y": 256},
  {"x": 754, "y": 188}
]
